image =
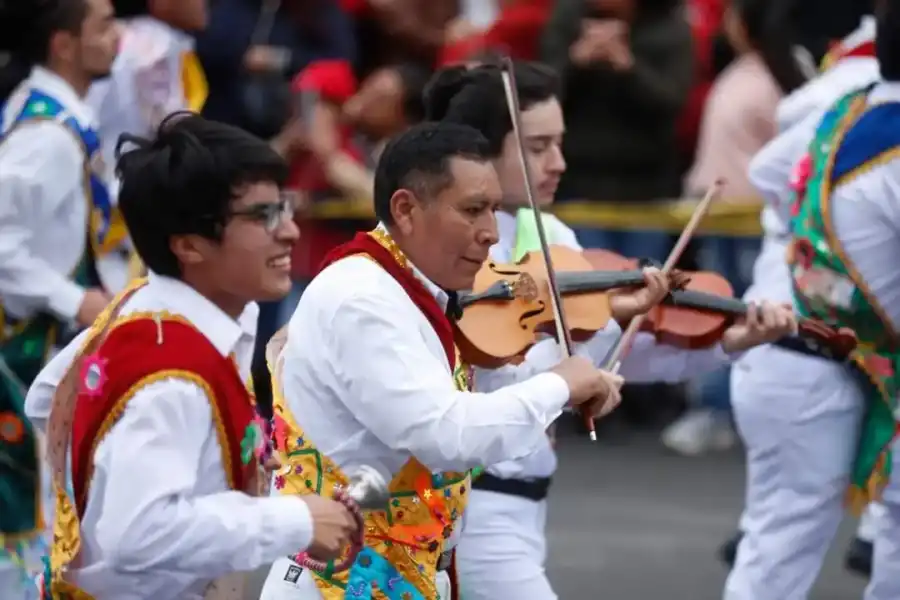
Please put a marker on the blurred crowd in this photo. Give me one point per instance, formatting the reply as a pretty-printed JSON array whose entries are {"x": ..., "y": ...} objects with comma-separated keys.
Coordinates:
[{"x": 661, "y": 97}]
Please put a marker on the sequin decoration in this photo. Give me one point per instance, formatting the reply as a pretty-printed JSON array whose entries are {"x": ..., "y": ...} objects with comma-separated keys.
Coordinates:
[
  {"x": 93, "y": 375},
  {"x": 12, "y": 430}
]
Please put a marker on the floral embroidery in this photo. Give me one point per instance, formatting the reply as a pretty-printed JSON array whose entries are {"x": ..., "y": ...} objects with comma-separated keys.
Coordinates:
[
  {"x": 799, "y": 181},
  {"x": 12, "y": 430},
  {"x": 93, "y": 375},
  {"x": 254, "y": 442}
]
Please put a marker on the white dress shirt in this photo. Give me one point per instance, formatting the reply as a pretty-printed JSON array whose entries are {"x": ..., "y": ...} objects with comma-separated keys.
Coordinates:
[
  {"x": 771, "y": 169},
  {"x": 646, "y": 362},
  {"x": 855, "y": 71},
  {"x": 367, "y": 379},
  {"x": 43, "y": 209},
  {"x": 866, "y": 216},
  {"x": 161, "y": 521}
]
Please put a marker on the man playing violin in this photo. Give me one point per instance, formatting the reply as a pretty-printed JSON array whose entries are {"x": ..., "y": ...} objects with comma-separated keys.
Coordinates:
[
  {"x": 369, "y": 372},
  {"x": 502, "y": 550},
  {"x": 843, "y": 218}
]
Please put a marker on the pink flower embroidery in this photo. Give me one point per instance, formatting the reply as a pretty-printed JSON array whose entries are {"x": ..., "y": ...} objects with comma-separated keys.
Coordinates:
[
  {"x": 879, "y": 365},
  {"x": 801, "y": 174},
  {"x": 799, "y": 181},
  {"x": 280, "y": 433},
  {"x": 93, "y": 375},
  {"x": 279, "y": 482}
]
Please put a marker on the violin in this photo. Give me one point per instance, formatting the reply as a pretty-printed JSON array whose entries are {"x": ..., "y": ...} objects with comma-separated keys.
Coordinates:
[
  {"x": 510, "y": 306},
  {"x": 698, "y": 314}
]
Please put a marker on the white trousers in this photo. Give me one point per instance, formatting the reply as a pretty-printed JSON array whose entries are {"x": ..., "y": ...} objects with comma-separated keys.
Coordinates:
[
  {"x": 799, "y": 417},
  {"x": 286, "y": 582},
  {"x": 503, "y": 548}
]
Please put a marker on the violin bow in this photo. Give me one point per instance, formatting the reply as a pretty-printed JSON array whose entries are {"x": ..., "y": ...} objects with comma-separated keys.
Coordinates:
[
  {"x": 614, "y": 362},
  {"x": 562, "y": 331}
]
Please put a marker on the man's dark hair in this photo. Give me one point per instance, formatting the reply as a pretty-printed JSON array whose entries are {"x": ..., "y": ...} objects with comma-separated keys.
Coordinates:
[
  {"x": 184, "y": 181},
  {"x": 887, "y": 39},
  {"x": 419, "y": 160},
  {"x": 26, "y": 28},
  {"x": 414, "y": 77},
  {"x": 126, "y": 9},
  {"x": 475, "y": 97},
  {"x": 769, "y": 27}
]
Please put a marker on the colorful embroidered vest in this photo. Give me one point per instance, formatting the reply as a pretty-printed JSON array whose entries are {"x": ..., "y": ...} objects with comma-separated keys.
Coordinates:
[
  {"x": 24, "y": 344},
  {"x": 122, "y": 356},
  {"x": 23, "y": 540},
  {"x": 403, "y": 545},
  {"x": 851, "y": 139}
]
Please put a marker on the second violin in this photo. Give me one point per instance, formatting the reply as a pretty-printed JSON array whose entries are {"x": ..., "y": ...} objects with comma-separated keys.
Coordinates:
[{"x": 698, "y": 315}]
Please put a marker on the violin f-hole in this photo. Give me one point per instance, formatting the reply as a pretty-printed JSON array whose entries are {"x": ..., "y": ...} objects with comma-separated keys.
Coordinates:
[
  {"x": 493, "y": 267},
  {"x": 541, "y": 306}
]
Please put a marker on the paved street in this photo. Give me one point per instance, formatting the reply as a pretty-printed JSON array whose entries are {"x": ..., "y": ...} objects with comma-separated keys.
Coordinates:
[{"x": 630, "y": 522}]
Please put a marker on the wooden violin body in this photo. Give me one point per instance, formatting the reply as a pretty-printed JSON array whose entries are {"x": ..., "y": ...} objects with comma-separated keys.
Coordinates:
[
  {"x": 510, "y": 306},
  {"x": 698, "y": 315}
]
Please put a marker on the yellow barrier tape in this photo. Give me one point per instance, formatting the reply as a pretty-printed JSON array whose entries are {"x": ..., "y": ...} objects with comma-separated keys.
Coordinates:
[{"x": 732, "y": 219}]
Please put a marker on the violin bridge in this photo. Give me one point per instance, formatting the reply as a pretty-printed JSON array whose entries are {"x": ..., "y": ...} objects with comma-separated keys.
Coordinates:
[{"x": 525, "y": 288}]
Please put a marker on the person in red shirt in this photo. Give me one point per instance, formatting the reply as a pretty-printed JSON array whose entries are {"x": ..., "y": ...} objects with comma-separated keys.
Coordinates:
[
  {"x": 333, "y": 141},
  {"x": 516, "y": 32}
]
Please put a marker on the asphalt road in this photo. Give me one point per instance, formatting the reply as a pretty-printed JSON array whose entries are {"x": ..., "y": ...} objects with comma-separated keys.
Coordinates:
[{"x": 629, "y": 521}]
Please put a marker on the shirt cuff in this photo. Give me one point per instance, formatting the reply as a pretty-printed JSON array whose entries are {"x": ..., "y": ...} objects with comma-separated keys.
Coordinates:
[
  {"x": 550, "y": 393},
  {"x": 295, "y": 523},
  {"x": 66, "y": 299}
]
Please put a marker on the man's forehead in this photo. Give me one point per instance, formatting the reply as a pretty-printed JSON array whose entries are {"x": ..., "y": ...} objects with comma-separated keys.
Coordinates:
[
  {"x": 543, "y": 120},
  {"x": 474, "y": 177}
]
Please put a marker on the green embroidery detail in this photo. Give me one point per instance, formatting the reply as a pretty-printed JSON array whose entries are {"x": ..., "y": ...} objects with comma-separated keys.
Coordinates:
[{"x": 252, "y": 439}]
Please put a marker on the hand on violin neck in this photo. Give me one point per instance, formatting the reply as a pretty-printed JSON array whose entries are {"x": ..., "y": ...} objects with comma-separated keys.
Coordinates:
[
  {"x": 765, "y": 323},
  {"x": 627, "y": 304}
]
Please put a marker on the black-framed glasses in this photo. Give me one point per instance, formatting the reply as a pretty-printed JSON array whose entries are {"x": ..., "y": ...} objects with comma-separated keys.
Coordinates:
[{"x": 271, "y": 215}]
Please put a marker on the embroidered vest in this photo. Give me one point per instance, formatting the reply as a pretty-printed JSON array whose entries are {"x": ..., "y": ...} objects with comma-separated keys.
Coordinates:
[
  {"x": 851, "y": 139},
  {"x": 122, "y": 356},
  {"x": 403, "y": 545},
  {"x": 25, "y": 344}
]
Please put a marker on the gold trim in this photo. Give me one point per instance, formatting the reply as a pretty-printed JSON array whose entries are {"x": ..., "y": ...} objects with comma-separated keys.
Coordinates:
[{"x": 856, "y": 110}]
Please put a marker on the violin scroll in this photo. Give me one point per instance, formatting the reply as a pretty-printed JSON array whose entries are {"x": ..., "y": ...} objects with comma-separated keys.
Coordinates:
[{"x": 840, "y": 343}]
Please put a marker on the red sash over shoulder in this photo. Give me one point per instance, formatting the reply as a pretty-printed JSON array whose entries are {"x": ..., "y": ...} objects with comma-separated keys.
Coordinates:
[
  {"x": 381, "y": 248},
  {"x": 145, "y": 348}
]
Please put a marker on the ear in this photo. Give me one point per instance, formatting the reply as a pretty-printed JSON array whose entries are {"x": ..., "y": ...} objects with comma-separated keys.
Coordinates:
[
  {"x": 404, "y": 204},
  {"x": 63, "y": 44},
  {"x": 191, "y": 250}
]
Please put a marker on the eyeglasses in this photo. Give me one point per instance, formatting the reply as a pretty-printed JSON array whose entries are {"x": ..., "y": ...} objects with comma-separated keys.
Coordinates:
[{"x": 271, "y": 215}]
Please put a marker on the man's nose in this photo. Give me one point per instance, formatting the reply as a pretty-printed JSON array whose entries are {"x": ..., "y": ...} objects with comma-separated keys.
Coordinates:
[{"x": 488, "y": 235}]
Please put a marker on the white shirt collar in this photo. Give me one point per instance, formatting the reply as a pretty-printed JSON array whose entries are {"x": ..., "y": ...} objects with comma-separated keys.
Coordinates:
[
  {"x": 439, "y": 294},
  {"x": 885, "y": 91},
  {"x": 223, "y": 331},
  {"x": 53, "y": 85},
  {"x": 864, "y": 33}
]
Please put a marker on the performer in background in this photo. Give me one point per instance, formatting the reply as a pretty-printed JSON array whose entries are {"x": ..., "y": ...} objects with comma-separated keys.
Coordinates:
[
  {"x": 798, "y": 448},
  {"x": 155, "y": 74},
  {"x": 161, "y": 497},
  {"x": 56, "y": 220},
  {"x": 503, "y": 547},
  {"x": 56, "y": 215},
  {"x": 844, "y": 223},
  {"x": 370, "y": 372}
]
